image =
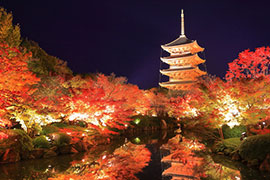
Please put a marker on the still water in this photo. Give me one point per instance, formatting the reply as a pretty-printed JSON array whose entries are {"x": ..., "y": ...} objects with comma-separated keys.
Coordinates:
[{"x": 148, "y": 156}]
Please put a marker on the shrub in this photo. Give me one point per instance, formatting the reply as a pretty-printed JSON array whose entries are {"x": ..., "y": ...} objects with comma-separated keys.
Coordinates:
[
  {"x": 60, "y": 125},
  {"x": 41, "y": 142},
  {"x": 17, "y": 140},
  {"x": 230, "y": 144},
  {"x": 255, "y": 147},
  {"x": 24, "y": 140},
  {"x": 49, "y": 129},
  {"x": 61, "y": 139},
  {"x": 234, "y": 132}
]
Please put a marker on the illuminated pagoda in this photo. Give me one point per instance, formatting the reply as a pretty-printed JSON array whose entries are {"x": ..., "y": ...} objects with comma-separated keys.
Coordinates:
[{"x": 183, "y": 62}]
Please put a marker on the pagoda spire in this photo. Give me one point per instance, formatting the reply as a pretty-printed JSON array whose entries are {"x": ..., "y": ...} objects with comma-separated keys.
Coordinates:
[{"x": 182, "y": 24}]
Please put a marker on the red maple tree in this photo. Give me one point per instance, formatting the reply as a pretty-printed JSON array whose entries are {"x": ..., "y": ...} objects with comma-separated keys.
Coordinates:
[
  {"x": 250, "y": 64},
  {"x": 16, "y": 80}
]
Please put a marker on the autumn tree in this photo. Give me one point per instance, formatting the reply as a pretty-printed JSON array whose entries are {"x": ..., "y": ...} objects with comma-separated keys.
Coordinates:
[
  {"x": 101, "y": 108},
  {"x": 159, "y": 102},
  {"x": 250, "y": 64},
  {"x": 117, "y": 89},
  {"x": 9, "y": 33},
  {"x": 252, "y": 99},
  {"x": 16, "y": 80}
]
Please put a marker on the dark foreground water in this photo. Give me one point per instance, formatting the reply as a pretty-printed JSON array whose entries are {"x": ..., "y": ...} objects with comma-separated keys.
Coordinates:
[{"x": 155, "y": 156}]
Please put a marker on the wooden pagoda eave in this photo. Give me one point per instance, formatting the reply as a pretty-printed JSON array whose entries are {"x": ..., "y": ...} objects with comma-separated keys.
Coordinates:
[
  {"x": 177, "y": 85},
  {"x": 191, "y": 72},
  {"x": 193, "y": 60},
  {"x": 192, "y": 47}
]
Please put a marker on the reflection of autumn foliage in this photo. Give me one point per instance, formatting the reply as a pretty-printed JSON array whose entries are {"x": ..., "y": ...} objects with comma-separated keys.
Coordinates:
[
  {"x": 184, "y": 150},
  {"x": 123, "y": 164}
]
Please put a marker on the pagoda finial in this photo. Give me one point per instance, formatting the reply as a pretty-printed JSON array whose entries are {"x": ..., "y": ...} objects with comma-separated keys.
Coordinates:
[{"x": 182, "y": 24}]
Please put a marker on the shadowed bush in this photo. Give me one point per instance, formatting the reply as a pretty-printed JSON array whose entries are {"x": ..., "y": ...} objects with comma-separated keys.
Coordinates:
[
  {"x": 227, "y": 145},
  {"x": 234, "y": 132},
  {"x": 49, "y": 129},
  {"x": 62, "y": 139},
  {"x": 255, "y": 147},
  {"x": 41, "y": 142}
]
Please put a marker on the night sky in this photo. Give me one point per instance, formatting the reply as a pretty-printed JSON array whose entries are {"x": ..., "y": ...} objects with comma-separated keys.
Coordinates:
[{"x": 124, "y": 36}]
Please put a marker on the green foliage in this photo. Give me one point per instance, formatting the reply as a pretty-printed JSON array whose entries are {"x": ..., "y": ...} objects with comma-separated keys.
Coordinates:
[
  {"x": 9, "y": 33},
  {"x": 44, "y": 64},
  {"x": 17, "y": 140},
  {"x": 24, "y": 140},
  {"x": 62, "y": 139},
  {"x": 75, "y": 128},
  {"x": 60, "y": 125},
  {"x": 227, "y": 145},
  {"x": 49, "y": 129},
  {"x": 255, "y": 147},
  {"x": 236, "y": 131},
  {"x": 41, "y": 142}
]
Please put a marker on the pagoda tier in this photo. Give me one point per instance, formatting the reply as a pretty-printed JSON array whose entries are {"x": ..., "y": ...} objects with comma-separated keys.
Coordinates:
[
  {"x": 184, "y": 60},
  {"x": 177, "y": 85},
  {"x": 183, "y": 73},
  {"x": 179, "y": 49}
]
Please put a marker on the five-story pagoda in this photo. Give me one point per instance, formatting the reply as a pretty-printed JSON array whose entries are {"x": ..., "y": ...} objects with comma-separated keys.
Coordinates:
[{"x": 183, "y": 61}]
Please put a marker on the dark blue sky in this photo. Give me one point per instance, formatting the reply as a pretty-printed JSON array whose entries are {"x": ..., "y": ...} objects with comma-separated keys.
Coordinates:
[{"x": 124, "y": 36}]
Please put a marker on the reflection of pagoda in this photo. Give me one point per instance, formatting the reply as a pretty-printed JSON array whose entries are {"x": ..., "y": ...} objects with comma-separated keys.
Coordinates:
[
  {"x": 183, "y": 61},
  {"x": 179, "y": 161}
]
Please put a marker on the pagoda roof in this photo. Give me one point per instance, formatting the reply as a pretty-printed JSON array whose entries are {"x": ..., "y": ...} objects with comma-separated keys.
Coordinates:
[
  {"x": 183, "y": 73},
  {"x": 178, "y": 56},
  {"x": 178, "y": 85},
  {"x": 176, "y": 82},
  {"x": 183, "y": 49},
  {"x": 184, "y": 60},
  {"x": 177, "y": 69},
  {"x": 179, "y": 41}
]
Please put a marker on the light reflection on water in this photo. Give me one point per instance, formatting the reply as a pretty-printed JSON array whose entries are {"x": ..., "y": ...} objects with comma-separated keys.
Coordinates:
[{"x": 129, "y": 159}]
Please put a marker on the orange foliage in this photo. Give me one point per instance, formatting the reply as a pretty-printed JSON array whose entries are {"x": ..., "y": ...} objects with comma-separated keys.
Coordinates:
[
  {"x": 16, "y": 80},
  {"x": 260, "y": 131},
  {"x": 116, "y": 88},
  {"x": 102, "y": 109},
  {"x": 15, "y": 75},
  {"x": 250, "y": 64},
  {"x": 3, "y": 136}
]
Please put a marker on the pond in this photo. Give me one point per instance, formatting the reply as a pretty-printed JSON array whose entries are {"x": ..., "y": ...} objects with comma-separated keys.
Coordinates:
[{"x": 147, "y": 156}]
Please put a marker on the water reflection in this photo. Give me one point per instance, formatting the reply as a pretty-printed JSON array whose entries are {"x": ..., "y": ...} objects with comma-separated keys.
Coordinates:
[
  {"x": 123, "y": 163},
  {"x": 189, "y": 160},
  {"x": 179, "y": 157}
]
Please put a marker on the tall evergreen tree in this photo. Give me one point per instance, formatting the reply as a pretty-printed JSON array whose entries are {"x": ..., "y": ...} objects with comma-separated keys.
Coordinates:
[{"x": 9, "y": 33}]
